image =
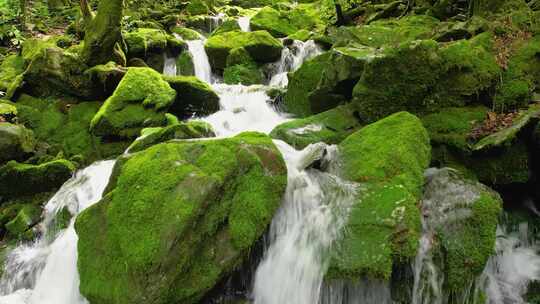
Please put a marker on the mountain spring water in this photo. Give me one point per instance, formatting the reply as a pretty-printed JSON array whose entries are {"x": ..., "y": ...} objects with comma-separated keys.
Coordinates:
[{"x": 314, "y": 211}]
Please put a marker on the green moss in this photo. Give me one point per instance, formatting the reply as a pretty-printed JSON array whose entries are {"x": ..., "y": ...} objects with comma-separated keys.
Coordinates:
[
  {"x": 194, "y": 97},
  {"x": 11, "y": 67},
  {"x": 521, "y": 78},
  {"x": 185, "y": 65},
  {"x": 423, "y": 76},
  {"x": 469, "y": 247},
  {"x": 229, "y": 25},
  {"x": 207, "y": 201},
  {"x": 260, "y": 45},
  {"x": 65, "y": 127},
  {"x": 394, "y": 153},
  {"x": 24, "y": 179},
  {"x": 330, "y": 127},
  {"x": 153, "y": 136},
  {"x": 326, "y": 81},
  {"x": 27, "y": 217},
  {"x": 453, "y": 126},
  {"x": 144, "y": 40},
  {"x": 241, "y": 68},
  {"x": 197, "y": 7},
  {"x": 186, "y": 33},
  {"x": 140, "y": 100},
  {"x": 273, "y": 21},
  {"x": 16, "y": 142}
]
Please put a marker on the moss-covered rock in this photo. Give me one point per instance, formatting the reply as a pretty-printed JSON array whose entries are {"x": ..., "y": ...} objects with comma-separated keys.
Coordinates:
[
  {"x": 183, "y": 130},
  {"x": 273, "y": 21},
  {"x": 144, "y": 40},
  {"x": 388, "y": 159},
  {"x": 326, "y": 80},
  {"x": 422, "y": 76},
  {"x": 23, "y": 179},
  {"x": 521, "y": 78},
  {"x": 27, "y": 217},
  {"x": 194, "y": 97},
  {"x": 16, "y": 142},
  {"x": 463, "y": 215},
  {"x": 64, "y": 127},
  {"x": 11, "y": 67},
  {"x": 8, "y": 111},
  {"x": 140, "y": 100},
  {"x": 228, "y": 25},
  {"x": 205, "y": 201},
  {"x": 186, "y": 33},
  {"x": 260, "y": 45},
  {"x": 242, "y": 69},
  {"x": 184, "y": 64},
  {"x": 197, "y": 7},
  {"x": 330, "y": 127}
]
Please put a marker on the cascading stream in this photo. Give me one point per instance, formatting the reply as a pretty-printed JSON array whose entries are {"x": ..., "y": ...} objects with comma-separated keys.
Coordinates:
[
  {"x": 244, "y": 23},
  {"x": 45, "y": 272}
]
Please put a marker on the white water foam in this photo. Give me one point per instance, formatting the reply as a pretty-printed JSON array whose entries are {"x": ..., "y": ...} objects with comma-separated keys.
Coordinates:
[{"x": 244, "y": 23}]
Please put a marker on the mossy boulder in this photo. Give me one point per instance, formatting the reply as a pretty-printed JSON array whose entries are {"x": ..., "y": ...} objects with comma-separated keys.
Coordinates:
[
  {"x": 326, "y": 81},
  {"x": 185, "y": 65},
  {"x": 501, "y": 158},
  {"x": 144, "y": 41},
  {"x": 197, "y": 7},
  {"x": 186, "y": 33},
  {"x": 330, "y": 127},
  {"x": 521, "y": 78},
  {"x": 8, "y": 111},
  {"x": 228, "y": 25},
  {"x": 11, "y": 67},
  {"x": 260, "y": 45},
  {"x": 26, "y": 218},
  {"x": 62, "y": 126},
  {"x": 24, "y": 179},
  {"x": 181, "y": 130},
  {"x": 463, "y": 216},
  {"x": 205, "y": 201},
  {"x": 388, "y": 159},
  {"x": 242, "y": 69},
  {"x": 194, "y": 97},
  {"x": 16, "y": 142},
  {"x": 140, "y": 100},
  {"x": 272, "y": 21},
  {"x": 423, "y": 76}
]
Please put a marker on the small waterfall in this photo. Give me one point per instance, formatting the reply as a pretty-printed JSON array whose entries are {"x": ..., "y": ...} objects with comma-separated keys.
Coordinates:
[
  {"x": 443, "y": 192},
  {"x": 314, "y": 211},
  {"x": 45, "y": 272},
  {"x": 515, "y": 264},
  {"x": 243, "y": 108},
  {"x": 169, "y": 67},
  {"x": 292, "y": 58},
  {"x": 203, "y": 70},
  {"x": 216, "y": 21},
  {"x": 244, "y": 23}
]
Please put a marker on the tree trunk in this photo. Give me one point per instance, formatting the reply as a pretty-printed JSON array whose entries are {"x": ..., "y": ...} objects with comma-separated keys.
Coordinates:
[{"x": 103, "y": 33}]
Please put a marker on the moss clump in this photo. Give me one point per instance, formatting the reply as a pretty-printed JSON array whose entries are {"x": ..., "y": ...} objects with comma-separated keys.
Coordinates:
[
  {"x": 64, "y": 127},
  {"x": 241, "y": 68},
  {"x": 16, "y": 142},
  {"x": 145, "y": 40},
  {"x": 326, "y": 80},
  {"x": 23, "y": 179},
  {"x": 27, "y": 217},
  {"x": 194, "y": 97},
  {"x": 206, "y": 201},
  {"x": 423, "y": 76},
  {"x": 153, "y": 136},
  {"x": 260, "y": 45},
  {"x": 140, "y": 100},
  {"x": 197, "y": 7},
  {"x": 330, "y": 127},
  {"x": 229, "y": 25},
  {"x": 11, "y": 67},
  {"x": 273, "y": 21},
  {"x": 453, "y": 126},
  {"x": 184, "y": 64},
  {"x": 521, "y": 78},
  {"x": 394, "y": 152},
  {"x": 186, "y": 33}
]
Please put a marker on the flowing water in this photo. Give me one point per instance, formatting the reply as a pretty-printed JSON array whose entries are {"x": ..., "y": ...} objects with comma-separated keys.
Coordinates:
[
  {"x": 45, "y": 272},
  {"x": 169, "y": 66},
  {"x": 244, "y": 23},
  {"x": 314, "y": 210}
]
